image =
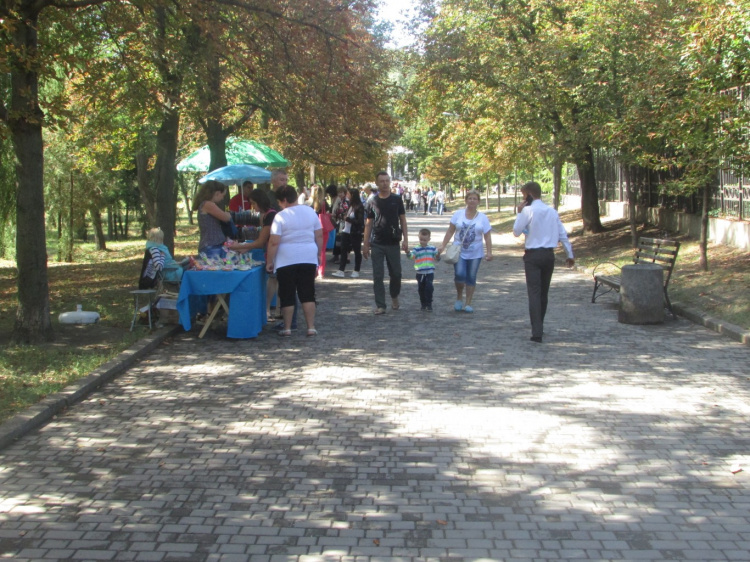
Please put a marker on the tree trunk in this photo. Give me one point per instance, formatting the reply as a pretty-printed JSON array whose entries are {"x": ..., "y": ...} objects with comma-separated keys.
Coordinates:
[
  {"x": 703, "y": 260},
  {"x": 81, "y": 227},
  {"x": 144, "y": 186},
  {"x": 96, "y": 222},
  {"x": 164, "y": 174},
  {"x": 589, "y": 194},
  {"x": 24, "y": 120},
  {"x": 499, "y": 194},
  {"x": 631, "y": 189},
  {"x": 188, "y": 208},
  {"x": 217, "y": 144},
  {"x": 556, "y": 184},
  {"x": 299, "y": 177},
  {"x": 110, "y": 222}
]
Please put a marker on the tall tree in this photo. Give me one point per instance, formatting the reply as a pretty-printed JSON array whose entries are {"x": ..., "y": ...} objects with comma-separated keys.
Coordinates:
[
  {"x": 20, "y": 56},
  {"x": 522, "y": 64},
  {"x": 307, "y": 75}
]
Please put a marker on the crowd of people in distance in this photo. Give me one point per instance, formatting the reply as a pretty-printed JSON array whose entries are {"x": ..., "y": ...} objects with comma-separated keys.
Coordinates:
[{"x": 294, "y": 227}]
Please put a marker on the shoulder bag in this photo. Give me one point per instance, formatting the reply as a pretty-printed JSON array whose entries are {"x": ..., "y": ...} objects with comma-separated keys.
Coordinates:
[{"x": 452, "y": 254}]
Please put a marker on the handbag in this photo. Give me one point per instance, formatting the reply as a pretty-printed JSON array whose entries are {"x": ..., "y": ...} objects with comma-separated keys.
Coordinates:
[
  {"x": 325, "y": 221},
  {"x": 452, "y": 254}
]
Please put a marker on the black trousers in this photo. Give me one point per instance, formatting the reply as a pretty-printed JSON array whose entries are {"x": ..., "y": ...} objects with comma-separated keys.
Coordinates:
[
  {"x": 351, "y": 242},
  {"x": 539, "y": 263}
]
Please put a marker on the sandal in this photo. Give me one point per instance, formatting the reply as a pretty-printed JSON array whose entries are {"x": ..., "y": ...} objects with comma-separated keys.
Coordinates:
[
  {"x": 284, "y": 333},
  {"x": 312, "y": 332}
]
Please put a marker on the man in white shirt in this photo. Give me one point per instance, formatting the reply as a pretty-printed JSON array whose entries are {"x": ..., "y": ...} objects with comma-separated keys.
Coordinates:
[
  {"x": 544, "y": 231},
  {"x": 440, "y": 199}
]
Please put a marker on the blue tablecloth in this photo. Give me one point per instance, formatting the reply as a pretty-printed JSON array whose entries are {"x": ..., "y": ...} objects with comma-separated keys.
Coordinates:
[{"x": 247, "y": 298}]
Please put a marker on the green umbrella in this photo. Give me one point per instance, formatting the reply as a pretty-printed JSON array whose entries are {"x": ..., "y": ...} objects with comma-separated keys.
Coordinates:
[{"x": 239, "y": 151}]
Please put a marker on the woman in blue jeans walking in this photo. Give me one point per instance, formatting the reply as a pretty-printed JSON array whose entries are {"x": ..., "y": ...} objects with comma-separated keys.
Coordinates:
[{"x": 470, "y": 227}]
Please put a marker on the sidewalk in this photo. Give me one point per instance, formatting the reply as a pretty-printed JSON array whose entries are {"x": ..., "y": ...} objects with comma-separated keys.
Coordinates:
[{"x": 411, "y": 435}]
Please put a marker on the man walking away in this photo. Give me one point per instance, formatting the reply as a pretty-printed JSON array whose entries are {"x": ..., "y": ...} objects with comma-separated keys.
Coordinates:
[
  {"x": 544, "y": 231},
  {"x": 385, "y": 227}
]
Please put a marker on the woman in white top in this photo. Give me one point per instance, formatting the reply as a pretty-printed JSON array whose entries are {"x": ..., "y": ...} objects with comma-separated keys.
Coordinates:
[
  {"x": 293, "y": 252},
  {"x": 470, "y": 227}
]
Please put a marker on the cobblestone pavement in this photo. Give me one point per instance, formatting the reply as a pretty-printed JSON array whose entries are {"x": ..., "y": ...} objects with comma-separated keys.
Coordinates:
[{"x": 412, "y": 436}]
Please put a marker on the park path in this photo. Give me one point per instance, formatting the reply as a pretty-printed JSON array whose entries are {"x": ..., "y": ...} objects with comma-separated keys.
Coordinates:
[{"x": 412, "y": 436}]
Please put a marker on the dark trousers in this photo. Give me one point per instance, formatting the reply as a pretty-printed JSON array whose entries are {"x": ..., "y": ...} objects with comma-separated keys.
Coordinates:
[
  {"x": 351, "y": 243},
  {"x": 380, "y": 257},
  {"x": 538, "y": 265},
  {"x": 336, "y": 250},
  {"x": 424, "y": 285}
]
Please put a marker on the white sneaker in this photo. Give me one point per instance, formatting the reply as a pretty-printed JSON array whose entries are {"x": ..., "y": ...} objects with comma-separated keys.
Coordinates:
[
  {"x": 338, "y": 273},
  {"x": 355, "y": 274}
]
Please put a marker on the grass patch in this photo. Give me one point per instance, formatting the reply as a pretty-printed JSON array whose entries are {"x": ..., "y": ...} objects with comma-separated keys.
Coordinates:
[
  {"x": 99, "y": 281},
  {"x": 27, "y": 376}
]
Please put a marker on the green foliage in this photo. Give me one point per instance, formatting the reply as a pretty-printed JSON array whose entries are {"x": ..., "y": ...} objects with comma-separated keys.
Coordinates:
[
  {"x": 525, "y": 84},
  {"x": 7, "y": 199}
]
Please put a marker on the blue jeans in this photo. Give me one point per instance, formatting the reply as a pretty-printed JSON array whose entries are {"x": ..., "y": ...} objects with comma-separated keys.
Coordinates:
[
  {"x": 465, "y": 271},
  {"x": 392, "y": 256}
]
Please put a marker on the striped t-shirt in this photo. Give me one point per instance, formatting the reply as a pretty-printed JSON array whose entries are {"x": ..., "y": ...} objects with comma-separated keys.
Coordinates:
[{"x": 424, "y": 258}]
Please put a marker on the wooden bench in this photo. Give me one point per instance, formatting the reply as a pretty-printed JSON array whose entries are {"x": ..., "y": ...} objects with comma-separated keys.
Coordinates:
[{"x": 649, "y": 250}]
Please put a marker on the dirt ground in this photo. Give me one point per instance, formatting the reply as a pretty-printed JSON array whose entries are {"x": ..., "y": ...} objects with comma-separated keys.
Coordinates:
[{"x": 81, "y": 336}]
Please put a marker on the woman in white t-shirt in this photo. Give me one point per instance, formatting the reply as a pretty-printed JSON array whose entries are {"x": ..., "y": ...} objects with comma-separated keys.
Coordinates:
[
  {"x": 470, "y": 227},
  {"x": 293, "y": 254}
]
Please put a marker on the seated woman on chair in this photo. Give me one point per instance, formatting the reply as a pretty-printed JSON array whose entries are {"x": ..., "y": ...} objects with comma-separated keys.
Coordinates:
[{"x": 158, "y": 258}]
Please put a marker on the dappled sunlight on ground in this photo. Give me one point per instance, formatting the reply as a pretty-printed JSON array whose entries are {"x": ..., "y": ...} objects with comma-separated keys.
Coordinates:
[{"x": 409, "y": 435}]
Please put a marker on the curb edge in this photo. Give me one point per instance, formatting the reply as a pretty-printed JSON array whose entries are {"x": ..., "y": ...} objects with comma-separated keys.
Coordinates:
[
  {"x": 37, "y": 415},
  {"x": 737, "y": 333}
]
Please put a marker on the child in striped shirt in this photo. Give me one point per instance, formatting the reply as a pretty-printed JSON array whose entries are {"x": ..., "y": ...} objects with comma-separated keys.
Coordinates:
[{"x": 425, "y": 256}]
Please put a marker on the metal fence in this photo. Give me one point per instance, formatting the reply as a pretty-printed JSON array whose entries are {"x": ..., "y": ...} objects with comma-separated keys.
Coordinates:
[{"x": 731, "y": 199}]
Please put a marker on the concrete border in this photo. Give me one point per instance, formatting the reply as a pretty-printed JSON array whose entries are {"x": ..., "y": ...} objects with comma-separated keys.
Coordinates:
[
  {"x": 39, "y": 414},
  {"x": 737, "y": 333}
]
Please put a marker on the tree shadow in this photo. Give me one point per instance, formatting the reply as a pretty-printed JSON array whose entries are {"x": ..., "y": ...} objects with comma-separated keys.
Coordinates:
[{"x": 410, "y": 434}]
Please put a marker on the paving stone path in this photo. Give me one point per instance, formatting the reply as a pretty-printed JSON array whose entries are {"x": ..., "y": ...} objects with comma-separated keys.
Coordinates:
[{"x": 409, "y": 436}]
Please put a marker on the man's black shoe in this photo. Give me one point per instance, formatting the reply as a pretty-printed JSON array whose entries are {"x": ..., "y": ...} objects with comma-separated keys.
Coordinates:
[{"x": 535, "y": 339}]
